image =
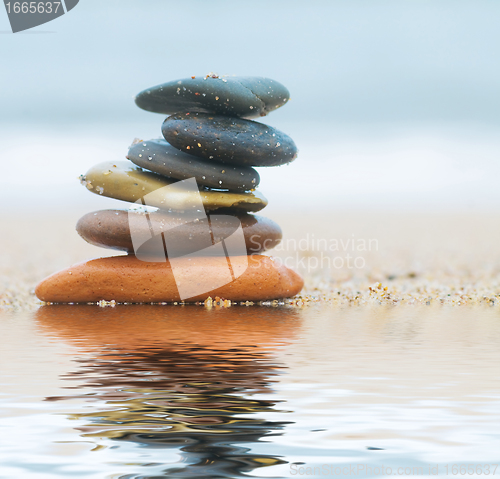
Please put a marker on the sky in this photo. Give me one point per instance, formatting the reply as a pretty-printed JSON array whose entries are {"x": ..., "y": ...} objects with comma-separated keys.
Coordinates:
[
  {"x": 350, "y": 60},
  {"x": 411, "y": 86}
]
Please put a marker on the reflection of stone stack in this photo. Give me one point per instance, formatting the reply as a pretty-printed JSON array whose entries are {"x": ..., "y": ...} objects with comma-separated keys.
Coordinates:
[
  {"x": 175, "y": 381},
  {"x": 207, "y": 139}
]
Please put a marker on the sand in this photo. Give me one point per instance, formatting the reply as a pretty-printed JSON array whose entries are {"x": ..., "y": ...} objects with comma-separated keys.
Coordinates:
[{"x": 353, "y": 258}]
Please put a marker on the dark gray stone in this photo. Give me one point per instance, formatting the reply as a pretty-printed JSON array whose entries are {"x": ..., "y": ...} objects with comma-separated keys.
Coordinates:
[
  {"x": 229, "y": 140},
  {"x": 162, "y": 158},
  {"x": 247, "y": 97}
]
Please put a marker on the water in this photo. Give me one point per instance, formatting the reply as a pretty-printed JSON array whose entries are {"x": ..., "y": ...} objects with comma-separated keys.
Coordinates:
[{"x": 152, "y": 391}]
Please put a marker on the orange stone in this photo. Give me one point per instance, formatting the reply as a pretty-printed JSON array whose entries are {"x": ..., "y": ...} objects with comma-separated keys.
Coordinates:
[{"x": 127, "y": 279}]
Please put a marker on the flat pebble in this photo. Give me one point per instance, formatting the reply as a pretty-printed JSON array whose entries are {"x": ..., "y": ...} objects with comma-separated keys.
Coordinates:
[
  {"x": 229, "y": 140},
  {"x": 127, "y": 279},
  {"x": 160, "y": 157},
  {"x": 124, "y": 181},
  {"x": 248, "y": 97},
  {"x": 111, "y": 229}
]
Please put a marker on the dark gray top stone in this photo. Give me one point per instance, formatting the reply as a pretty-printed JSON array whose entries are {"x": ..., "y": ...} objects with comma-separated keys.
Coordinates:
[{"x": 248, "y": 97}]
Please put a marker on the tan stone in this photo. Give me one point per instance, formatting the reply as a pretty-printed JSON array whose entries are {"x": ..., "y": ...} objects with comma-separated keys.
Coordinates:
[{"x": 111, "y": 229}]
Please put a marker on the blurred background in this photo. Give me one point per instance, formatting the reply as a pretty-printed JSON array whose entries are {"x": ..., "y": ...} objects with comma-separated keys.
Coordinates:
[{"x": 394, "y": 104}]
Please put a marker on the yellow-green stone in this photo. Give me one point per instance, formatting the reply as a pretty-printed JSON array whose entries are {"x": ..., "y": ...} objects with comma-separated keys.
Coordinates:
[{"x": 124, "y": 181}]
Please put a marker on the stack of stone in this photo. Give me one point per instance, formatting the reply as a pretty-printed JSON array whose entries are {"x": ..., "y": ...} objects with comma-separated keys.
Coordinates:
[{"x": 210, "y": 138}]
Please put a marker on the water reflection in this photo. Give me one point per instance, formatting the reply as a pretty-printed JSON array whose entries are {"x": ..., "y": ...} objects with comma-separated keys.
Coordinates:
[{"x": 178, "y": 378}]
